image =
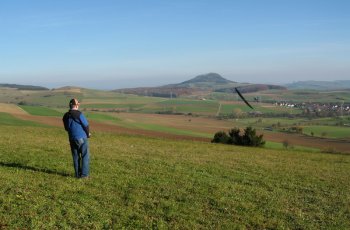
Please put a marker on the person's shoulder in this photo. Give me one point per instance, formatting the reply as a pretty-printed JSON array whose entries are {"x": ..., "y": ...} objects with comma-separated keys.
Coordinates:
[
  {"x": 75, "y": 114},
  {"x": 66, "y": 114},
  {"x": 81, "y": 114}
]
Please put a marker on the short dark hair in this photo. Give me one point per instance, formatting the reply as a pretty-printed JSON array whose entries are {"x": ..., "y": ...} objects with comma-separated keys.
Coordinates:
[{"x": 73, "y": 102}]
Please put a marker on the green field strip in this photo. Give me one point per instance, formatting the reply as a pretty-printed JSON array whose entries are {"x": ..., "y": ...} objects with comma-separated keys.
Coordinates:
[
  {"x": 101, "y": 117},
  {"x": 111, "y": 106},
  {"x": 327, "y": 131},
  {"x": 167, "y": 129},
  {"x": 290, "y": 147},
  {"x": 10, "y": 120},
  {"x": 41, "y": 111}
]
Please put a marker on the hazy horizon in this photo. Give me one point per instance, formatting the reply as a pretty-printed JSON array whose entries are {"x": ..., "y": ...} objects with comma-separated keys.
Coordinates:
[
  {"x": 132, "y": 83},
  {"x": 122, "y": 44}
]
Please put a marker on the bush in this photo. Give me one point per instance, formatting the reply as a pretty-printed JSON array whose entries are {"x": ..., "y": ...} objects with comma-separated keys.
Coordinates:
[
  {"x": 249, "y": 138},
  {"x": 220, "y": 137},
  {"x": 235, "y": 138}
]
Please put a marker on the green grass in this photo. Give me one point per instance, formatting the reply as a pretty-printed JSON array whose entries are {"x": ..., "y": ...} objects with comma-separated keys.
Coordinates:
[
  {"x": 49, "y": 98},
  {"x": 264, "y": 122},
  {"x": 140, "y": 182},
  {"x": 327, "y": 131},
  {"x": 189, "y": 106},
  {"x": 297, "y": 148},
  {"x": 108, "y": 97},
  {"x": 181, "y": 101},
  {"x": 41, "y": 111},
  {"x": 167, "y": 129},
  {"x": 8, "y": 119},
  {"x": 112, "y": 106},
  {"x": 101, "y": 117}
]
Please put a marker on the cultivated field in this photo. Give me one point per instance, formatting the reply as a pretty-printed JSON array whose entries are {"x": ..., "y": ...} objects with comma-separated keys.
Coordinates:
[
  {"x": 185, "y": 127},
  {"x": 197, "y": 116}
]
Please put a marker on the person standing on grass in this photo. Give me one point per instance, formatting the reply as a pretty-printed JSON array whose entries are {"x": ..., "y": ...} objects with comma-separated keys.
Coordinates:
[{"x": 77, "y": 127}]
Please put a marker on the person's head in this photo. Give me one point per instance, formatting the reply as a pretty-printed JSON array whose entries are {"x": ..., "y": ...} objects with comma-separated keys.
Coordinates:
[{"x": 74, "y": 103}]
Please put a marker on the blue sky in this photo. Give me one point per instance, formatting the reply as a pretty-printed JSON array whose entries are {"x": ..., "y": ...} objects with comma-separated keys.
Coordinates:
[{"x": 115, "y": 44}]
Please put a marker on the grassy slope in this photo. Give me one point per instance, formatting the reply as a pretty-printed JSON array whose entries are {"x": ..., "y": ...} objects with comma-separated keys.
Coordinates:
[{"x": 143, "y": 182}]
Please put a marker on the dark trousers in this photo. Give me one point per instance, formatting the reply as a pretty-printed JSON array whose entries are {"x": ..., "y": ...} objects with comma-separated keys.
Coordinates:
[{"x": 81, "y": 157}]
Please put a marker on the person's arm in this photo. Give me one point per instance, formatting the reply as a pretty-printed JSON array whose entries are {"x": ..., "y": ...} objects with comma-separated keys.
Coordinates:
[
  {"x": 85, "y": 125},
  {"x": 65, "y": 121}
]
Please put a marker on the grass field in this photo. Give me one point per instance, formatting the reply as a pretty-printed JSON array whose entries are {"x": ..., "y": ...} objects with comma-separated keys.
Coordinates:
[
  {"x": 167, "y": 129},
  {"x": 139, "y": 182},
  {"x": 8, "y": 119},
  {"x": 328, "y": 131},
  {"x": 41, "y": 111},
  {"x": 144, "y": 125},
  {"x": 297, "y": 148}
]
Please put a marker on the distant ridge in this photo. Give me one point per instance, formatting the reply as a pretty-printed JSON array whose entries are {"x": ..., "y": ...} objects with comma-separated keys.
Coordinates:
[
  {"x": 72, "y": 89},
  {"x": 320, "y": 85},
  {"x": 23, "y": 87},
  {"x": 68, "y": 88}
]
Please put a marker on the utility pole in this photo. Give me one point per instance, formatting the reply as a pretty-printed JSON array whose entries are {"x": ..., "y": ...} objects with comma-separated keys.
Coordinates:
[{"x": 341, "y": 109}]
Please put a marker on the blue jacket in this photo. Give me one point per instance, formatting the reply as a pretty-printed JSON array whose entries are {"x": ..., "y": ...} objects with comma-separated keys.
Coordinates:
[{"x": 76, "y": 125}]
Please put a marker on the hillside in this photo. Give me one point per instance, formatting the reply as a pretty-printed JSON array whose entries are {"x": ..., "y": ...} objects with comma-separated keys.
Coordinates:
[
  {"x": 209, "y": 80},
  {"x": 23, "y": 87},
  {"x": 199, "y": 84},
  {"x": 320, "y": 85}
]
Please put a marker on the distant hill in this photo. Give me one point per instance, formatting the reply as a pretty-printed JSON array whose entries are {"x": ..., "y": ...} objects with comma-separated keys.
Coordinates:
[
  {"x": 320, "y": 85},
  {"x": 23, "y": 87},
  {"x": 199, "y": 85},
  {"x": 210, "y": 78},
  {"x": 204, "y": 81}
]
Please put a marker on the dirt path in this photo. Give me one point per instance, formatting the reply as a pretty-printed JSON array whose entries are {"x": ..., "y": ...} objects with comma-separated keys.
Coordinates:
[{"x": 293, "y": 139}]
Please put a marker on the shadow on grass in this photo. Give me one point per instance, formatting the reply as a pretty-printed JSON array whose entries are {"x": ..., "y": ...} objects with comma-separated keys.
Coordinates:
[{"x": 31, "y": 168}]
